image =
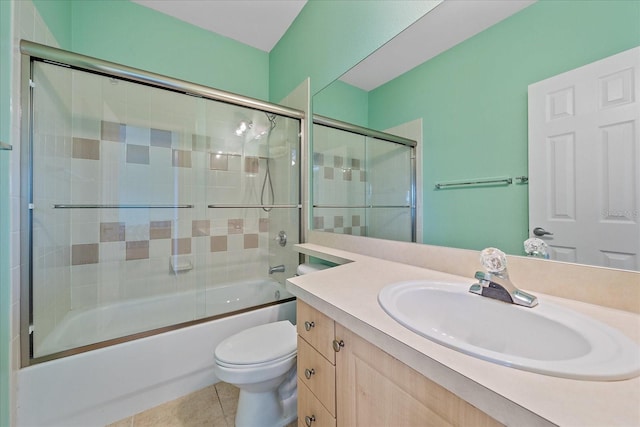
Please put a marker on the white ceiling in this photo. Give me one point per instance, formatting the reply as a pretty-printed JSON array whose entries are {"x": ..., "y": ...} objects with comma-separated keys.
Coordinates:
[
  {"x": 261, "y": 23},
  {"x": 257, "y": 23},
  {"x": 449, "y": 23}
]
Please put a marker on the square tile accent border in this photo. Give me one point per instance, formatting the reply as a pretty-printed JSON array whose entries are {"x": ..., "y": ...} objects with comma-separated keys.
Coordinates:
[{"x": 124, "y": 241}]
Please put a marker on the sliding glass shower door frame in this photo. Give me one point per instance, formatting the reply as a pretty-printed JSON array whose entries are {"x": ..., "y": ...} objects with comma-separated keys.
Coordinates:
[
  {"x": 33, "y": 52},
  {"x": 383, "y": 137}
]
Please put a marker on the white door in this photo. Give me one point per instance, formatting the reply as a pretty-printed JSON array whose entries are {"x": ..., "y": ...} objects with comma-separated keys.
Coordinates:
[{"x": 584, "y": 162}]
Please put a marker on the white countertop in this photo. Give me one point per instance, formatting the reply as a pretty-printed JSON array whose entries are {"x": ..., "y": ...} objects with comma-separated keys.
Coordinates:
[{"x": 348, "y": 293}]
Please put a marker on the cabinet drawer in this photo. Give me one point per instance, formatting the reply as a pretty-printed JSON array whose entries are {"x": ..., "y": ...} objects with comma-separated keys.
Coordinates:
[
  {"x": 321, "y": 375},
  {"x": 317, "y": 329},
  {"x": 309, "y": 406}
]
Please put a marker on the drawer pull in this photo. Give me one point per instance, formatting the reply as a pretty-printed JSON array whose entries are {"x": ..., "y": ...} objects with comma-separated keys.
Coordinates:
[
  {"x": 337, "y": 345},
  {"x": 309, "y": 372},
  {"x": 308, "y": 325},
  {"x": 309, "y": 419}
]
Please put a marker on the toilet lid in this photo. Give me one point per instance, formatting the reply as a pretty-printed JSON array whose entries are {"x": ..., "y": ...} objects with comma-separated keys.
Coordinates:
[{"x": 259, "y": 344}]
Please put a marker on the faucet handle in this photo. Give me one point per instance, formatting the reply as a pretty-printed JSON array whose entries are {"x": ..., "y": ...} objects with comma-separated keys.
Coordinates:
[{"x": 494, "y": 260}]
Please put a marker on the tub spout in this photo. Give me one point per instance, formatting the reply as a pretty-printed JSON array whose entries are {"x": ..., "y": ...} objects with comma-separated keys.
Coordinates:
[{"x": 276, "y": 269}]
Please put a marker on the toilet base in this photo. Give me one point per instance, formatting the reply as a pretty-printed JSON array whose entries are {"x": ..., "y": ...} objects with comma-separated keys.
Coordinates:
[{"x": 265, "y": 409}]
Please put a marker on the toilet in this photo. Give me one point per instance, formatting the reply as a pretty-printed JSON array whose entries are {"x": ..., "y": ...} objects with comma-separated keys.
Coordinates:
[{"x": 261, "y": 362}]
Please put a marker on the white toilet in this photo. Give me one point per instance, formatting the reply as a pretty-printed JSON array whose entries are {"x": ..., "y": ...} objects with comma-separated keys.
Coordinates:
[{"x": 261, "y": 362}]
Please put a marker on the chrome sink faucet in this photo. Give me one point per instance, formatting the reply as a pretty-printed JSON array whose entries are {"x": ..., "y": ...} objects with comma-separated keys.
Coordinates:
[{"x": 496, "y": 284}]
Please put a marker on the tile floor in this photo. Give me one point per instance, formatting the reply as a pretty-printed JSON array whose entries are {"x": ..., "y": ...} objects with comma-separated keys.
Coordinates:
[{"x": 213, "y": 406}]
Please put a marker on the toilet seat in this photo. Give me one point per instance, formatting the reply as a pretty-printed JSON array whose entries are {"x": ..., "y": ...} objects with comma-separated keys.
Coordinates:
[
  {"x": 261, "y": 345},
  {"x": 256, "y": 365}
]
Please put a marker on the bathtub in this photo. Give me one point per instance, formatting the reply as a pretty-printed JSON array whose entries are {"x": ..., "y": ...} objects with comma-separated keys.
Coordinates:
[
  {"x": 82, "y": 327},
  {"x": 101, "y": 386}
]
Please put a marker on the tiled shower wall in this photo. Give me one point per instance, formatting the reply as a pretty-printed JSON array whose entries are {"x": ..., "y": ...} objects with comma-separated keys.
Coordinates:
[
  {"x": 351, "y": 170},
  {"x": 116, "y": 143}
]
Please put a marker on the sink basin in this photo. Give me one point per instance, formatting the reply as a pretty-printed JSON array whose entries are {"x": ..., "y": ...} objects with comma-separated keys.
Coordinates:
[{"x": 547, "y": 339}]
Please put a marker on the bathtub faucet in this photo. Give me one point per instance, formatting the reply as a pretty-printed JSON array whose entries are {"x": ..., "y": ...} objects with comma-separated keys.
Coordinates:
[{"x": 276, "y": 269}]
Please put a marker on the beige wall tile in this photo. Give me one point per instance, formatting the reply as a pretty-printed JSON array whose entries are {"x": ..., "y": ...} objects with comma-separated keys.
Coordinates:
[
  {"x": 200, "y": 227},
  {"x": 160, "y": 138},
  {"x": 113, "y": 131},
  {"x": 160, "y": 230},
  {"x": 250, "y": 241},
  {"x": 112, "y": 231},
  {"x": 85, "y": 254},
  {"x": 181, "y": 159},
  {"x": 137, "y": 250},
  {"x": 181, "y": 246},
  {"x": 219, "y": 161},
  {"x": 236, "y": 226},
  {"x": 263, "y": 225},
  {"x": 251, "y": 165},
  {"x": 84, "y": 148},
  {"x": 338, "y": 161},
  {"x": 218, "y": 243}
]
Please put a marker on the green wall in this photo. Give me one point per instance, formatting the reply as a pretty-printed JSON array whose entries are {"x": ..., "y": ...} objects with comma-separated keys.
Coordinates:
[
  {"x": 127, "y": 33},
  {"x": 344, "y": 102},
  {"x": 330, "y": 36},
  {"x": 473, "y": 99},
  {"x": 56, "y": 15},
  {"x": 5, "y": 283}
]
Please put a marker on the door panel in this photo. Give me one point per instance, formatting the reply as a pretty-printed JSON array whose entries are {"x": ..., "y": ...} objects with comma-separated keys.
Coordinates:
[{"x": 584, "y": 162}]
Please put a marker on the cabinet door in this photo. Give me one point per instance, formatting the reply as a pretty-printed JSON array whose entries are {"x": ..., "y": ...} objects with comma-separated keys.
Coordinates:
[{"x": 375, "y": 389}]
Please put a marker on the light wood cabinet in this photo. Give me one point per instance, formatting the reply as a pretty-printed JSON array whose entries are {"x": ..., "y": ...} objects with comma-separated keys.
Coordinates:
[
  {"x": 318, "y": 374},
  {"x": 312, "y": 413},
  {"x": 364, "y": 386},
  {"x": 316, "y": 329},
  {"x": 316, "y": 368},
  {"x": 375, "y": 389}
]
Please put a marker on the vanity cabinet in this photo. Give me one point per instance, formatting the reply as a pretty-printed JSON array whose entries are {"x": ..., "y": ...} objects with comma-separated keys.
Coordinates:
[
  {"x": 316, "y": 368},
  {"x": 370, "y": 387},
  {"x": 375, "y": 389}
]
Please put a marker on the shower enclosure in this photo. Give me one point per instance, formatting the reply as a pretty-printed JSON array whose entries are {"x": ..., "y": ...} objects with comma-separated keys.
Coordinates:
[
  {"x": 364, "y": 181},
  {"x": 150, "y": 203}
]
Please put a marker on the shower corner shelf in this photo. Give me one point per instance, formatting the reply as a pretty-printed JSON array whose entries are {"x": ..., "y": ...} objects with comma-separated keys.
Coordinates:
[{"x": 5, "y": 147}]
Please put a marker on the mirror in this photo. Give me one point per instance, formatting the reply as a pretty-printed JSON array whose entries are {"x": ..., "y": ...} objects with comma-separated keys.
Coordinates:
[{"x": 472, "y": 99}]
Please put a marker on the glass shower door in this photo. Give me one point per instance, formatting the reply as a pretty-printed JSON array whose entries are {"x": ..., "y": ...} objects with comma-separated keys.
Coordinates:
[
  {"x": 339, "y": 181},
  {"x": 152, "y": 208},
  {"x": 362, "y": 185},
  {"x": 389, "y": 190}
]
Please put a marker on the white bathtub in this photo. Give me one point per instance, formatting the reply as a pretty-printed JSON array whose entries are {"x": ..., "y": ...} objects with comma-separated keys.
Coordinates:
[
  {"x": 82, "y": 327},
  {"x": 101, "y": 386}
]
